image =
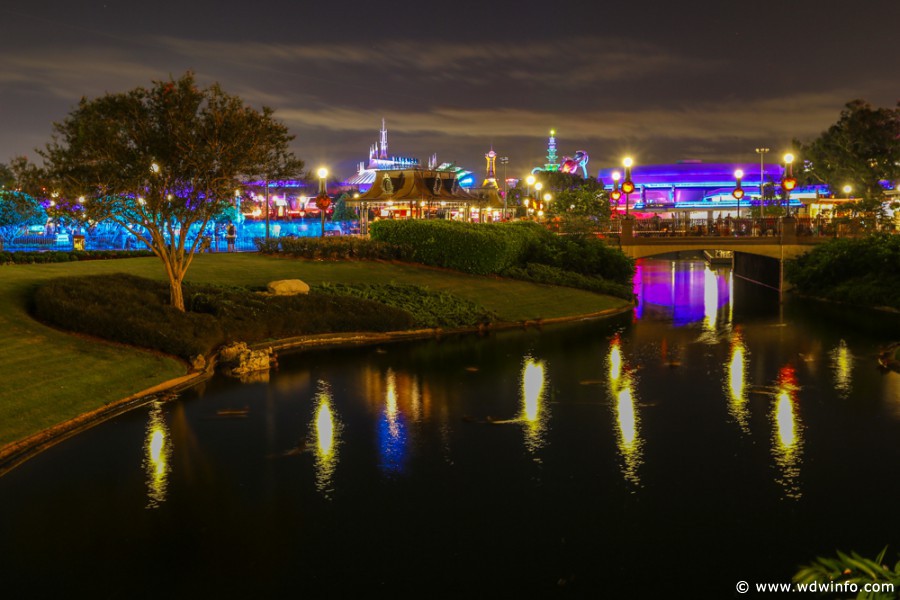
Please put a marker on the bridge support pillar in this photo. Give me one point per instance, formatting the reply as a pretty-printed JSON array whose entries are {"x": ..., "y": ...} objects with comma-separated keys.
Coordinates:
[{"x": 762, "y": 270}]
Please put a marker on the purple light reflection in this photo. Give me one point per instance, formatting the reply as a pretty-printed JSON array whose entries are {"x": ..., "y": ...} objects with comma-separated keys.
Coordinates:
[{"x": 678, "y": 291}]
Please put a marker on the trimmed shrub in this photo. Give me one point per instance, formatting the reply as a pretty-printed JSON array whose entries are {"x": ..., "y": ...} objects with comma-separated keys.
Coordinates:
[
  {"x": 56, "y": 256},
  {"x": 861, "y": 271},
  {"x": 482, "y": 249},
  {"x": 428, "y": 308},
  {"x": 133, "y": 310},
  {"x": 329, "y": 248},
  {"x": 546, "y": 274},
  {"x": 585, "y": 255}
]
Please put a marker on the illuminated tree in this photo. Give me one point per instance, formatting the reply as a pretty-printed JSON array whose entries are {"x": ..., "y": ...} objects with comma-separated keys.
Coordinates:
[
  {"x": 18, "y": 207},
  {"x": 162, "y": 162}
]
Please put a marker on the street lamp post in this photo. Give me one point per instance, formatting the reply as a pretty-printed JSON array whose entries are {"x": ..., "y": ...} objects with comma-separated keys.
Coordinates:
[
  {"x": 529, "y": 181},
  {"x": 504, "y": 160},
  {"x": 788, "y": 182},
  {"x": 762, "y": 154},
  {"x": 537, "y": 196},
  {"x": 627, "y": 184},
  {"x": 738, "y": 192},
  {"x": 322, "y": 200},
  {"x": 616, "y": 194}
]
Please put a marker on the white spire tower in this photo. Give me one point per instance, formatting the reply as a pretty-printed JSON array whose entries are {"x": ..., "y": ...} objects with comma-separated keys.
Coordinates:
[{"x": 383, "y": 140}]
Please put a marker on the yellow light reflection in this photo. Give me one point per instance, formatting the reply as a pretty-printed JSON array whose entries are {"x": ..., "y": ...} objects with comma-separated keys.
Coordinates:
[
  {"x": 710, "y": 299},
  {"x": 390, "y": 405},
  {"x": 787, "y": 434},
  {"x": 157, "y": 455},
  {"x": 615, "y": 360},
  {"x": 842, "y": 364},
  {"x": 736, "y": 383},
  {"x": 628, "y": 435},
  {"x": 326, "y": 431},
  {"x": 621, "y": 389},
  {"x": 534, "y": 414}
]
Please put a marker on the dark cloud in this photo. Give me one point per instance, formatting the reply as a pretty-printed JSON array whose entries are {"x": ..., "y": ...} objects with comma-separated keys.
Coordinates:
[{"x": 647, "y": 79}]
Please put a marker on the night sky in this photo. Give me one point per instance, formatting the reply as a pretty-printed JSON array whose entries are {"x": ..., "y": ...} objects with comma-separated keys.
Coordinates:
[{"x": 662, "y": 81}]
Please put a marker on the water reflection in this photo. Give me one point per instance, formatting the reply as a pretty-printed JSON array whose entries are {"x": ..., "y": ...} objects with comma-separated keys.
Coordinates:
[
  {"x": 534, "y": 412},
  {"x": 736, "y": 382},
  {"x": 326, "y": 431},
  {"x": 787, "y": 433},
  {"x": 685, "y": 292},
  {"x": 621, "y": 388},
  {"x": 710, "y": 300},
  {"x": 392, "y": 431},
  {"x": 157, "y": 456},
  {"x": 842, "y": 364}
]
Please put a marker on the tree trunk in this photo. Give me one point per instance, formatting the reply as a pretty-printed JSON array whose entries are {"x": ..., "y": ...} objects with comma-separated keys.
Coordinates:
[{"x": 176, "y": 294}]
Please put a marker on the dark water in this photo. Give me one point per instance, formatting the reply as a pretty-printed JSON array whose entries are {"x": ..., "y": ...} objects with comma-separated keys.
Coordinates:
[{"x": 713, "y": 436}]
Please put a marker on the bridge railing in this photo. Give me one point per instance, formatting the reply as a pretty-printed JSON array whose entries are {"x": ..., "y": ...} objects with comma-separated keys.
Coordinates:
[{"x": 803, "y": 227}]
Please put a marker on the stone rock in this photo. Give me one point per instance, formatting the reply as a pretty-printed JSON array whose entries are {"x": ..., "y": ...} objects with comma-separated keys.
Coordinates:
[
  {"x": 198, "y": 363},
  {"x": 239, "y": 359},
  {"x": 288, "y": 287}
]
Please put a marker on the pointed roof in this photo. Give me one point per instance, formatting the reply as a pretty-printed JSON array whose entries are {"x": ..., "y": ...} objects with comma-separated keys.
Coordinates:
[{"x": 416, "y": 185}]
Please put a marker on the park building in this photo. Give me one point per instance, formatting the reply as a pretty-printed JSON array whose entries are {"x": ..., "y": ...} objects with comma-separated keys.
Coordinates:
[
  {"x": 697, "y": 190},
  {"x": 367, "y": 172}
]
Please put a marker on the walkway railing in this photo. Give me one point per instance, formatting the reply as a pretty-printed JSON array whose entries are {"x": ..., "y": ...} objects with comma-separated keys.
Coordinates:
[{"x": 728, "y": 227}]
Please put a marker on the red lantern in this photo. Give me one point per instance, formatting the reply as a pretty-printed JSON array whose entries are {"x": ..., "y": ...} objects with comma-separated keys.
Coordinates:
[
  {"x": 323, "y": 201},
  {"x": 738, "y": 193},
  {"x": 788, "y": 183},
  {"x": 627, "y": 186},
  {"x": 615, "y": 195}
]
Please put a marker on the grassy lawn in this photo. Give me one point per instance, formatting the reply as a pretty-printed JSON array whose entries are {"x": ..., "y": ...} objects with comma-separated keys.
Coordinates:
[{"x": 50, "y": 376}]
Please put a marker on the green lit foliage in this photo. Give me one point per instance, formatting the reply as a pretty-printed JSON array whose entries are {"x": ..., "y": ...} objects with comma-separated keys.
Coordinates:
[
  {"x": 854, "y": 569},
  {"x": 482, "y": 249},
  {"x": 329, "y": 248},
  {"x": 490, "y": 249},
  {"x": 104, "y": 306},
  {"x": 162, "y": 162},
  {"x": 861, "y": 150},
  {"x": 341, "y": 211},
  {"x": 861, "y": 271},
  {"x": 429, "y": 308}
]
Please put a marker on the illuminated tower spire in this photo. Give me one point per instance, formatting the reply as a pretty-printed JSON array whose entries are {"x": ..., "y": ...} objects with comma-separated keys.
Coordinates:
[
  {"x": 490, "y": 180},
  {"x": 384, "y": 153},
  {"x": 552, "y": 159}
]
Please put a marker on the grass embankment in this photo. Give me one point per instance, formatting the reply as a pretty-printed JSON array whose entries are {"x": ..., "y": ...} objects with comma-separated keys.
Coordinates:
[{"x": 50, "y": 376}]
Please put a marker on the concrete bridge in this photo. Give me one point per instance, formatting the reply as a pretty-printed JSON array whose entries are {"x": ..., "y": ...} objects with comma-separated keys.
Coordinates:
[{"x": 759, "y": 259}]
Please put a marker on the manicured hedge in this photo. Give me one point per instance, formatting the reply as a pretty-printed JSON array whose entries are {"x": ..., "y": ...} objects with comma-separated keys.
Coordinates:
[
  {"x": 56, "y": 256},
  {"x": 133, "y": 310},
  {"x": 429, "y": 308},
  {"x": 494, "y": 248},
  {"x": 329, "y": 248},
  {"x": 539, "y": 273},
  {"x": 482, "y": 249}
]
